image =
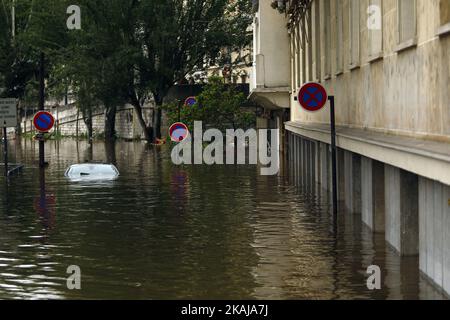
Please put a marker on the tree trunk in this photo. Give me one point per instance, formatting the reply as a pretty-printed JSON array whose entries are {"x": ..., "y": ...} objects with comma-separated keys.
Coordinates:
[
  {"x": 90, "y": 126},
  {"x": 148, "y": 131},
  {"x": 110, "y": 122},
  {"x": 87, "y": 118},
  {"x": 110, "y": 150},
  {"x": 77, "y": 123},
  {"x": 19, "y": 123},
  {"x": 157, "y": 116}
]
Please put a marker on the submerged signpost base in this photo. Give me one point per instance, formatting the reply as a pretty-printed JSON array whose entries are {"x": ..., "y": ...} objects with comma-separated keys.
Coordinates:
[{"x": 333, "y": 156}]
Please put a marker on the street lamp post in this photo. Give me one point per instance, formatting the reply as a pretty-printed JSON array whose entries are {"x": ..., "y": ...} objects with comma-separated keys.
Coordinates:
[{"x": 13, "y": 19}]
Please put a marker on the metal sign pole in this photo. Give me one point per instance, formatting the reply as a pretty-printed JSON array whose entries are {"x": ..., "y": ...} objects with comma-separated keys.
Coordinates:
[
  {"x": 5, "y": 139},
  {"x": 41, "y": 107},
  {"x": 313, "y": 97},
  {"x": 333, "y": 156}
]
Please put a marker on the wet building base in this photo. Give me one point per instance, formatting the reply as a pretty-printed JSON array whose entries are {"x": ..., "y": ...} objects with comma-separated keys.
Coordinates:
[{"x": 410, "y": 211}]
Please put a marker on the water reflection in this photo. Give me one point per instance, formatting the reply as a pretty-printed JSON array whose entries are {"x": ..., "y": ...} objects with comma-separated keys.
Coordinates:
[
  {"x": 179, "y": 185},
  {"x": 5, "y": 196},
  {"x": 110, "y": 150},
  {"x": 45, "y": 203},
  {"x": 161, "y": 231},
  {"x": 89, "y": 153}
]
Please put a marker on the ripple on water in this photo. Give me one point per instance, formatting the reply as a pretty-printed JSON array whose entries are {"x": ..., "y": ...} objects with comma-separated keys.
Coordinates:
[
  {"x": 162, "y": 231},
  {"x": 26, "y": 246},
  {"x": 8, "y": 259},
  {"x": 25, "y": 266}
]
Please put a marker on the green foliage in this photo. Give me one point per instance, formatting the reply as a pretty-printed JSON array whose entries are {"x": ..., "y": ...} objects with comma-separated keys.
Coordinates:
[
  {"x": 188, "y": 34},
  {"x": 219, "y": 106},
  {"x": 125, "y": 52},
  {"x": 39, "y": 27}
]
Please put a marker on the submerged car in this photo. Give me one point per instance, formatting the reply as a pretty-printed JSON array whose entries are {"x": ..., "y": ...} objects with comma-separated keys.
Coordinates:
[{"x": 92, "y": 171}]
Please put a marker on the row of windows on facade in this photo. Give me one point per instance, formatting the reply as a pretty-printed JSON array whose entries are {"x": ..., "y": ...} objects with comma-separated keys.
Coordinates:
[{"x": 306, "y": 59}]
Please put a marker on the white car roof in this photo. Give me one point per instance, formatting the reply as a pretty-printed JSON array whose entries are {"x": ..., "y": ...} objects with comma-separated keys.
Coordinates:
[{"x": 92, "y": 171}]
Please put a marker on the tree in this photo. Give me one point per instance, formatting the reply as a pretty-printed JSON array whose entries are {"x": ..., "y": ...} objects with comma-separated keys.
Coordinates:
[
  {"x": 17, "y": 61},
  {"x": 27, "y": 31},
  {"x": 180, "y": 37},
  {"x": 91, "y": 61},
  {"x": 98, "y": 64},
  {"x": 126, "y": 52},
  {"x": 219, "y": 106}
]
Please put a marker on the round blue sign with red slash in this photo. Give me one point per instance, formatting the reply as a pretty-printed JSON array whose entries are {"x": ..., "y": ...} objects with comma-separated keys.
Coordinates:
[
  {"x": 178, "y": 132},
  {"x": 43, "y": 121},
  {"x": 190, "y": 101},
  {"x": 312, "y": 96}
]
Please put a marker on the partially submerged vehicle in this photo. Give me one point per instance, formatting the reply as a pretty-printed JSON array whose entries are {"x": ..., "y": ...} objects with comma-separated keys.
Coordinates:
[{"x": 92, "y": 171}]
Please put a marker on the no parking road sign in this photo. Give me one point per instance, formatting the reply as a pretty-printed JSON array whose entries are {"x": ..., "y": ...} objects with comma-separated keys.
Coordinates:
[
  {"x": 312, "y": 97},
  {"x": 190, "y": 101},
  {"x": 178, "y": 132},
  {"x": 43, "y": 121}
]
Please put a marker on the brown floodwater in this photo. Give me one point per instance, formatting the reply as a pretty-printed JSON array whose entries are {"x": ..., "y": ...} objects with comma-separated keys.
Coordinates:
[{"x": 191, "y": 232}]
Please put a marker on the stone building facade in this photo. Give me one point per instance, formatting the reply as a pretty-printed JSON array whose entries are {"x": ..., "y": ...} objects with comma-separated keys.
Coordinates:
[{"x": 387, "y": 63}]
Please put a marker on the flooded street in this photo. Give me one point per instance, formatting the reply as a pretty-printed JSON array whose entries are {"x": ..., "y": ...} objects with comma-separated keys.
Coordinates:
[{"x": 193, "y": 232}]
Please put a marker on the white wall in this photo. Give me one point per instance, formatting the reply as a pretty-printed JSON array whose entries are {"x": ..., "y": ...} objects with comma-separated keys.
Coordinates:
[{"x": 271, "y": 48}]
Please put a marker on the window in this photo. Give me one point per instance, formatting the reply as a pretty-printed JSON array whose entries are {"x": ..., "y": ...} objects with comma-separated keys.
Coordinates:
[
  {"x": 327, "y": 41},
  {"x": 354, "y": 33},
  {"x": 339, "y": 36},
  {"x": 444, "y": 15},
  {"x": 316, "y": 41},
  {"x": 375, "y": 29},
  {"x": 407, "y": 21}
]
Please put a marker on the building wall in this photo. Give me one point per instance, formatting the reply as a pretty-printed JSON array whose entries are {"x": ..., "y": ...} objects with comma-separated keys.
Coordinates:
[
  {"x": 434, "y": 217},
  {"x": 387, "y": 62},
  {"x": 270, "y": 48},
  {"x": 68, "y": 119},
  {"x": 382, "y": 82},
  {"x": 240, "y": 65}
]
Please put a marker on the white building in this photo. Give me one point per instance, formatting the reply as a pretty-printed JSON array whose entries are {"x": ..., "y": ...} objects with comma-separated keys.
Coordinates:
[
  {"x": 387, "y": 62},
  {"x": 270, "y": 78}
]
